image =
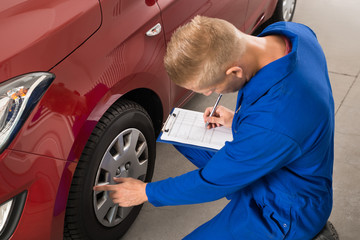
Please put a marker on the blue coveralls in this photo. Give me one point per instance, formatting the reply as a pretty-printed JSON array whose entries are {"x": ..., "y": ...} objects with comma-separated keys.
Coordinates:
[{"x": 277, "y": 171}]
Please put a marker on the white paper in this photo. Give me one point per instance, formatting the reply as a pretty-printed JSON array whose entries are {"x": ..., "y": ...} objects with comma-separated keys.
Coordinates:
[{"x": 188, "y": 127}]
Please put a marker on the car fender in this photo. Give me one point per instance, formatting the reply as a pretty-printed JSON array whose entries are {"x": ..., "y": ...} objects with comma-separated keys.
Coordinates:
[{"x": 37, "y": 34}]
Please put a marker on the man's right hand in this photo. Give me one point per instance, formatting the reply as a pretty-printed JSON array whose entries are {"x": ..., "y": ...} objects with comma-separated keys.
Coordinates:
[{"x": 221, "y": 117}]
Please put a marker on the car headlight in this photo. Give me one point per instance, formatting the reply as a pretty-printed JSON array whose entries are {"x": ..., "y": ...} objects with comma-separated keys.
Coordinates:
[{"x": 18, "y": 97}]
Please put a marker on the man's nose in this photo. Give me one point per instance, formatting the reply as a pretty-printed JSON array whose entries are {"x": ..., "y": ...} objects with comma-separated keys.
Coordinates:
[{"x": 208, "y": 93}]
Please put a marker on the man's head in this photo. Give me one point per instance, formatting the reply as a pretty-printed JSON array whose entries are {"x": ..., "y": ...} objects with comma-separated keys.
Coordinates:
[{"x": 201, "y": 54}]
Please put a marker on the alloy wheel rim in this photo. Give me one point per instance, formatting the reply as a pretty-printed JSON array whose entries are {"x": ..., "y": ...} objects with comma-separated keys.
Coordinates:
[
  {"x": 288, "y": 9},
  {"x": 126, "y": 156}
]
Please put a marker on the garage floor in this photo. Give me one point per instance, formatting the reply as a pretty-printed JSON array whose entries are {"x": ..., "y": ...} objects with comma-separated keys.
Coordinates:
[{"x": 337, "y": 26}]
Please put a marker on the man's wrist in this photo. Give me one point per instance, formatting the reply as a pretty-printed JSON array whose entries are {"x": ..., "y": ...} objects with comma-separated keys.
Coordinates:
[{"x": 145, "y": 195}]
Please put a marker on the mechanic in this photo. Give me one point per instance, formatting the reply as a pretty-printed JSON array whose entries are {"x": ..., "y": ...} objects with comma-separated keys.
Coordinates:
[{"x": 277, "y": 171}]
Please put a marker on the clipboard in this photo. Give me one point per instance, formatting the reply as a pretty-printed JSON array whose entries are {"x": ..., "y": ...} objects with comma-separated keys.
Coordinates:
[{"x": 187, "y": 128}]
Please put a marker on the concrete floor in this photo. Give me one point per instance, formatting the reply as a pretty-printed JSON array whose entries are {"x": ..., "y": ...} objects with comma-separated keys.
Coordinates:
[{"x": 337, "y": 26}]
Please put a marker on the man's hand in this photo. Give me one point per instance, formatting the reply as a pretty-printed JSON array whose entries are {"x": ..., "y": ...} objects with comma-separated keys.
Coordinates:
[
  {"x": 221, "y": 117},
  {"x": 127, "y": 193}
]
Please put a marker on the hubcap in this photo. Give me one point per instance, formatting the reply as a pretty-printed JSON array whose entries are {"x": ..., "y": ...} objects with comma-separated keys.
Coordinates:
[
  {"x": 288, "y": 9},
  {"x": 127, "y": 156}
]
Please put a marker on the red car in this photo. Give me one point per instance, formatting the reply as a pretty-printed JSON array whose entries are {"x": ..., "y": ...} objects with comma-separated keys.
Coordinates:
[{"x": 83, "y": 95}]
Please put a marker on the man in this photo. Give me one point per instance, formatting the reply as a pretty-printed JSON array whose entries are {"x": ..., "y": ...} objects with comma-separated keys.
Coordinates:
[{"x": 277, "y": 171}]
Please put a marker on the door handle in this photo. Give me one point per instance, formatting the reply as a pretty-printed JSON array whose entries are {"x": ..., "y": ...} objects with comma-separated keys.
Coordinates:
[{"x": 155, "y": 30}]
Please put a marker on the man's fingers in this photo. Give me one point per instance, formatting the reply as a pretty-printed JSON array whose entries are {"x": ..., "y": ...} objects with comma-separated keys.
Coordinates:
[
  {"x": 119, "y": 179},
  {"x": 100, "y": 188},
  {"x": 215, "y": 120},
  {"x": 104, "y": 188},
  {"x": 207, "y": 113},
  {"x": 110, "y": 187}
]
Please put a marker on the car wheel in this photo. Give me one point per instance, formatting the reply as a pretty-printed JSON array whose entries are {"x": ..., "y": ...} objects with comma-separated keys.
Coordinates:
[
  {"x": 121, "y": 145},
  {"x": 284, "y": 10}
]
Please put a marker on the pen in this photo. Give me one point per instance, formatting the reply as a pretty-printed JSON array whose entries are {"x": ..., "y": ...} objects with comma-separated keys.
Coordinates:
[{"x": 213, "y": 110}]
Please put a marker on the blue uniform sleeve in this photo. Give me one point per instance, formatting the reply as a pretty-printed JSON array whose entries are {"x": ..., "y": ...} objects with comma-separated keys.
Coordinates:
[{"x": 252, "y": 154}]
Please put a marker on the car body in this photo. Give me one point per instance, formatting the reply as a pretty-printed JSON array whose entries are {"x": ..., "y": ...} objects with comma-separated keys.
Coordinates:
[{"x": 82, "y": 57}]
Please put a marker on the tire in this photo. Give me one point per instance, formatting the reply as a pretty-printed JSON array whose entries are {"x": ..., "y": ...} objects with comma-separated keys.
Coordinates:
[
  {"x": 284, "y": 11},
  {"x": 122, "y": 144}
]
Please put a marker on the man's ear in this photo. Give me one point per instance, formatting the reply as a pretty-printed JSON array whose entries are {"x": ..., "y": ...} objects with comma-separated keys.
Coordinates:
[{"x": 238, "y": 71}]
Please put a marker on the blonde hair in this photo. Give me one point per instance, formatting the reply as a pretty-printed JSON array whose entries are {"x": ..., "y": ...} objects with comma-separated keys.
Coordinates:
[{"x": 202, "y": 51}]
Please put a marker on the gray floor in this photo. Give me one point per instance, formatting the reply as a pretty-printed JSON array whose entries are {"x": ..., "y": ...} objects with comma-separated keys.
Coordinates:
[{"x": 337, "y": 26}]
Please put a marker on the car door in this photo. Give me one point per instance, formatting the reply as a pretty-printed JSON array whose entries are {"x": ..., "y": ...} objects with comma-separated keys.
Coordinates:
[{"x": 177, "y": 12}]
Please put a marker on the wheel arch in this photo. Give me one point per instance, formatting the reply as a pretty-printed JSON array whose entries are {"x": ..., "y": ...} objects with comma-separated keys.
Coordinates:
[
  {"x": 145, "y": 97},
  {"x": 150, "y": 101}
]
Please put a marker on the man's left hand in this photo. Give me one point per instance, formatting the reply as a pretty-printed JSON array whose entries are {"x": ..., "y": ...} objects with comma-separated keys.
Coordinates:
[{"x": 127, "y": 193}]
